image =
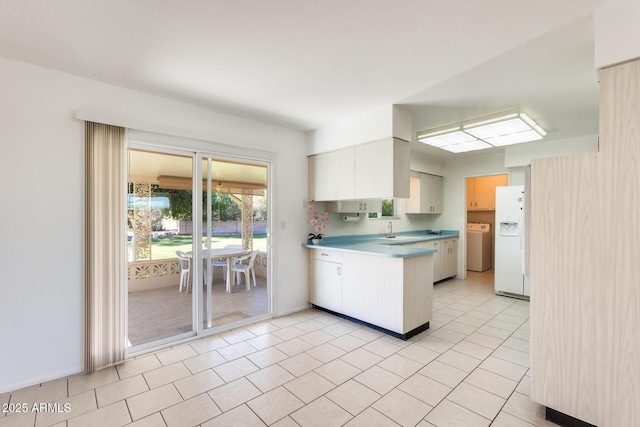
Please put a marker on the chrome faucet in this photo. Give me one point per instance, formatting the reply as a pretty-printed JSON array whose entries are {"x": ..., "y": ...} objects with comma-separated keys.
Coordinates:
[{"x": 390, "y": 227}]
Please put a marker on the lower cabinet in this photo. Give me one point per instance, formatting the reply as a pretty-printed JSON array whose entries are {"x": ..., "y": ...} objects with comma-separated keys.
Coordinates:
[
  {"x": 445, "y": 261},
  {"x": 393, "y": 293}
]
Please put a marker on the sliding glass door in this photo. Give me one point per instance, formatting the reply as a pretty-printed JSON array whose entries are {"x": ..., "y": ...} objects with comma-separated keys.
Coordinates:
[{"x": 197, "y": 248}]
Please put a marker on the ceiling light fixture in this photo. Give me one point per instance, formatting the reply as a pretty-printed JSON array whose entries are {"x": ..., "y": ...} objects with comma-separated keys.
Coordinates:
[{"x": 486, "y": 132}]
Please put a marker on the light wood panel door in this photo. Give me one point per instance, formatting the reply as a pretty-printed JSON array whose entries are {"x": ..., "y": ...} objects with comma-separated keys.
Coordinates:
[
  {"x": 382, "y": 169},
  {"x": 331, "y": 175}
]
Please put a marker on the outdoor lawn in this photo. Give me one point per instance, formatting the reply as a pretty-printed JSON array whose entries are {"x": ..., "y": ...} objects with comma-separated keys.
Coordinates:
[{"x": 166, "y": 247}]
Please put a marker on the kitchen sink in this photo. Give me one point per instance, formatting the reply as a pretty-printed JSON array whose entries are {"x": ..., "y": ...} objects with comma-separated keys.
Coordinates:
[{"x": 398, "y": 238}]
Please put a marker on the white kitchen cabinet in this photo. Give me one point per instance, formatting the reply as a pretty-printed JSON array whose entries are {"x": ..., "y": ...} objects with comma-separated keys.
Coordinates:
[
  {"x": 425, "y": 193},
  {"x": 326, "y": 279},
  {"x": 331, "y": 175},
  {"x": 376, "y": 170},
  {"x": 449, "y": 258},
  {"x": 357, "y": 206},
  {"x": 382, "y": 169}
]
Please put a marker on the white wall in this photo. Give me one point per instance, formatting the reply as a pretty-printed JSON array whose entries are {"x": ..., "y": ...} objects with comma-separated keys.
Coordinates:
[
  {"x": 42, "y": 215},
  {"x": 617, "y": 32},
  {"x": 521, "y": 155}
]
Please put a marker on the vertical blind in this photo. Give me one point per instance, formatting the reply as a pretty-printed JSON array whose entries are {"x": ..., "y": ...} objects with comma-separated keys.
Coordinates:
[{"x": 105, "y": 245}]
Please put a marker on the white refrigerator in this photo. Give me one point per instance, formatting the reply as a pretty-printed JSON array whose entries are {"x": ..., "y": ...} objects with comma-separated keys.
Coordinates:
[{"x": 510, "y": 241}]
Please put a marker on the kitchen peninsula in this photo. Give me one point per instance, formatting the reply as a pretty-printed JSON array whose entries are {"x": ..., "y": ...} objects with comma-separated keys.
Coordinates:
[{"x": 386, "y": 283}]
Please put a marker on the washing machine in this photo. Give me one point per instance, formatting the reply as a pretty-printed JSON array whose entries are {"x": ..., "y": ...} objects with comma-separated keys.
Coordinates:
[{"x": 479, "y": 246}]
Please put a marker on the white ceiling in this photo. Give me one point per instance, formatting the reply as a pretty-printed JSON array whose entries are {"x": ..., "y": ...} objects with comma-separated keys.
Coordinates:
[{"x": 308, "y": 63}]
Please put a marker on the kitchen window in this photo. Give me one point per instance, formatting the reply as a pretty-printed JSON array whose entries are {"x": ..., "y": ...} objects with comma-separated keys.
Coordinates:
[{"x": 388, "y": 210}]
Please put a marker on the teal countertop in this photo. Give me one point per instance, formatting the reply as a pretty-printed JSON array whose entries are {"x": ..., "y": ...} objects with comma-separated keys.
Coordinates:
[{"x": 378, "y": 244}]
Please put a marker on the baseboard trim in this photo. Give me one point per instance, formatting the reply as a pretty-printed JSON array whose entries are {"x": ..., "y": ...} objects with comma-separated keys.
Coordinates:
[{"x": 565, "y": 420}]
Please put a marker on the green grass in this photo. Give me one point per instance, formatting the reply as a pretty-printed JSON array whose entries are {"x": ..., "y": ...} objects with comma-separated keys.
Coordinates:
[{"x": 166, "y": 247}]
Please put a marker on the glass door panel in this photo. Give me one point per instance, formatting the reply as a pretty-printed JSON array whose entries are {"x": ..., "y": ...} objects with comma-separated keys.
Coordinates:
[
  {"x": 160, "y": 248},
  {"x": 234, "y": 254}
]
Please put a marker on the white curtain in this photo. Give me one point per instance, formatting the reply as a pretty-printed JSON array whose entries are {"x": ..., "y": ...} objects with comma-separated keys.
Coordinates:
[{"x": 105, "y": 245}]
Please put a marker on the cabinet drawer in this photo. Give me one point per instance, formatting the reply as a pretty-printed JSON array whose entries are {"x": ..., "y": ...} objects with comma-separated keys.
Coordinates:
[{"x": 327, "y": 255}]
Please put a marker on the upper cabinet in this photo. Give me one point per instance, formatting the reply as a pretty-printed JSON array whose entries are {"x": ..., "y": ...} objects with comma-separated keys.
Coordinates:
[
  {"x": 425, "y": 193},
  {"x": 375, "y": 170},
  {"x": 481, "y": 192}
]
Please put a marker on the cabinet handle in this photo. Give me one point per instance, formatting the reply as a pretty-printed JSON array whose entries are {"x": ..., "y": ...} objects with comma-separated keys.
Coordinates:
[
  {"x": 323, "y": 254},
  {"x": 339, "y": 271},
  {"x": 360, "y": 206},
  {"x": 365, "y": 206}
]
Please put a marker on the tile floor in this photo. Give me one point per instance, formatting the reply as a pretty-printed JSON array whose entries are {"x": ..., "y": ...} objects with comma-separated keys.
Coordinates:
[{"x": 313, "y": 369}]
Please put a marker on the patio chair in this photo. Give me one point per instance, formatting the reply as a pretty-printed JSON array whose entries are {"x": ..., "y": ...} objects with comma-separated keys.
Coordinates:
[
  {"x": 246, "y": 268},
  {"x": 222, "y": 262},
  {"x": 185, "y": 266}
]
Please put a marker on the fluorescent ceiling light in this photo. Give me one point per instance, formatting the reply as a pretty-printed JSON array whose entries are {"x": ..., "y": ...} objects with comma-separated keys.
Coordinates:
[{"x": 496, "y": 131}]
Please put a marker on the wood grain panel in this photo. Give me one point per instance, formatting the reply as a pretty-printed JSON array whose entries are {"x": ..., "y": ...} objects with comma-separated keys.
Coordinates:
[{"x": 585, "y": 267}]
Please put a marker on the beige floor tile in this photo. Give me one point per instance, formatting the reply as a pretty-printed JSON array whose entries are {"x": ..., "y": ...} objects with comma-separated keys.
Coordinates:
[
  {"x": 234, "y": 394},
  {"x": 79, "y": 404},
  {"x": 288, "y": 333},
  {"x": 522, "y": 334},
  {"x": 47, "y": 392},
  {"x": 269, "y": 378},
  {"x": 267, "y": 357},
  {"x": 361, "y": 359},
  {"x": 524, "y": 387},
  {"x": 326, "y": 352},
  {"x": 240, "y": 416},
  {"x": 369, "y": 418},
  {"x": 264, "y": 341},
  {"x": 381, "y": 347},
  {"x": 233, "y": 370},
  {"x": 165, "y": 375},
  {"x": 491, "y": 382},
  {"x": 353, "y": 397},
  {"x": 471, "y": 321},
  {"x": 425, "y": 389},
  {"x": 204, "y": 361},
  {"x": 294, "y": 346},
  {"x": 459, "y": 360},
  {"x": 285, "y": 321},
  {"x": 208, "y": 344},
  {"x": 111, "y": 393},
  {"x": 237, "y": 335},
  {"x": 84, "y": 382},
  {"x": 317, "y": 337},
  {"x": 21, "y": 419},
  {"x": 199, "y": 383},
  {"x": 443, "y": 373},
  {"x": 477, "y": 400},
  {"x": 435, "y": 344},
  {"x": 152, "y": 401},
  {"x": 236, "y": 351},
  {"x": 262, "y": 328},
  {"x": 484, "y": 340},
  {"x": 341, "y": 328},
  {"x": 492, "y": 331},
  {"x": 338, "y": 371},
  {"x": 300, "y": 364},
  {"x": 379, "y": 380},
  {"x": 286, "y": 422},
  {"x": 274, "y": 405},
  {"x": 134, "y": 367},
  {"x": 480, "y": 315},
  {"x": 191, "y": 412},
  {"x": 114, "y": 415},
  {"x": 511, "y": 355},
  {"x": 448, "y": 335},
  {"x": 402, "y": 408},
  {"x": 460, "y": 328},
  {"x": 472, "y": 349},
  {"x": 449, "y": 414},
  {"x": 349, "y": 342},
  {"x": 503, "y": 367},
  {"x": 309, "y": 386},
  {"x": 509, "y": 318},
  {"x": 401, "y": 365},
  {"x": 176, "y": 354},
  {"x": 366, "y": 334},
  {"x": 506, "y": 420},
  {"x": 321, "y": 412},
  {"x": 523, "y": 407},
  {"x": 153, "y": 420},
  {"x": 419, "y": 353},
  {"x": 310, "y": 325}
]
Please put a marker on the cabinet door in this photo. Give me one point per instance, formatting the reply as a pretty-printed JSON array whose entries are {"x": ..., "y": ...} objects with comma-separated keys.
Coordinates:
[
  {"x": 412, "y": 204},
  {"x": 485, "y": 193},
  {"x": 382, "y": 170},
  {"x": 437, "y": 257},
  {"x": 452, "y": 258},
  {"x": 326, "y": 285},
  {"x": 331, "y": 175},
  {"x": 433, "y": 185}
]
